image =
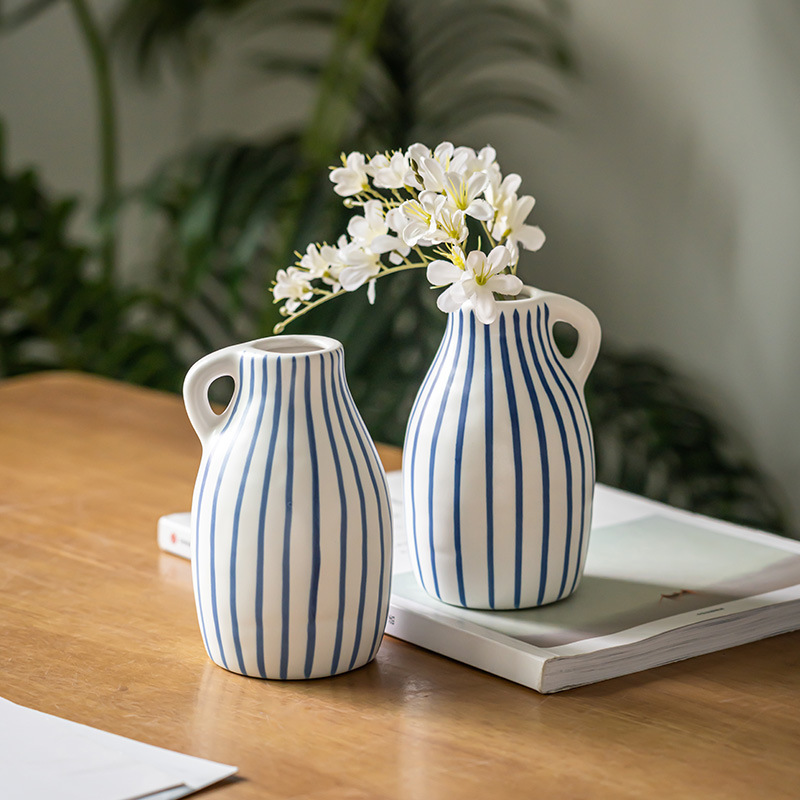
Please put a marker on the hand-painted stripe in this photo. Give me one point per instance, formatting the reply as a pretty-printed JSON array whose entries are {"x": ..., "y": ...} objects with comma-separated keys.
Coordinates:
[
  {"x": 337, "y": 646},
  {"x": 515, "y": 443},
  {"x": 363, "y": 439},
  {"x": 238, "y": 509},
  {"x": 434, "y": 442},
  {"x": 212, "y": 538},
  {"x": 562, "y": 432},
  {"x": 363, "y": 506},
  {"x": 462, "y": 421},
  {"x": 429, "y": 375},
  {"x": 287, "y": 527},
  {"x": 544, "y": 458},
  {"x": 578, "y": 434},
  {"x": 488, "y": 399},
  {"x": 316, "y": 550},
  {"x": 262, "y": 515},
  {"x": 384, "y": 503},
  {"x": 417, "y": 427}
]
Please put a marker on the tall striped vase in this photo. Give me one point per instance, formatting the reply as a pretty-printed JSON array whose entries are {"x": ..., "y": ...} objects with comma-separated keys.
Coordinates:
[
  {"x": 498, "y": 460},
  {"x": 291, "y": 527}
]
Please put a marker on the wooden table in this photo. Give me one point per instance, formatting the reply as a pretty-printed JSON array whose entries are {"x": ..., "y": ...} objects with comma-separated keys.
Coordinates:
[{"x": 98, "y": 626}]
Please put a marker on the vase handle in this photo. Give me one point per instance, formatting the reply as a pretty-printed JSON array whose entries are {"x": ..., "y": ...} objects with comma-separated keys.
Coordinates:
[
  {"x": 195, "y": 390},
  {"x": 565, "y": 309}
]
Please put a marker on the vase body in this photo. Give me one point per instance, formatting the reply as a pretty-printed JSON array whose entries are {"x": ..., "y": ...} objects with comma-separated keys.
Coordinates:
[
  {"x": 291, "y": 527},
  {"x": 498, "y": 459}
]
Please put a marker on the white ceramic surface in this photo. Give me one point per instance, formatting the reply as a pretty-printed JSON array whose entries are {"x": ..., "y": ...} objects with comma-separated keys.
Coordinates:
[
  {"x": 498, "y": 458},
  {"x": 291, "y": 527}
]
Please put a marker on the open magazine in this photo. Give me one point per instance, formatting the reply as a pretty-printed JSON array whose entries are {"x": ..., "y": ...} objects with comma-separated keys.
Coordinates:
[{"x": 660, "y": 585}]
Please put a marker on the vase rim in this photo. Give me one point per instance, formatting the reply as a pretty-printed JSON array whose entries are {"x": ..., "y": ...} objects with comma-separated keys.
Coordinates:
[
  {"x": 302, "y": 345},
  {"x": 525, "y": 293}
]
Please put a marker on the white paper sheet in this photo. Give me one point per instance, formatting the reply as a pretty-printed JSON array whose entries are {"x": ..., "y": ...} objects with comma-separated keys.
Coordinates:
[{"x": 44, "y": 757}]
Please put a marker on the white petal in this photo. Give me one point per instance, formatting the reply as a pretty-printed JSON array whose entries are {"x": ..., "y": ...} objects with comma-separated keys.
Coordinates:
[
  {"x": 451, "y": 299},
  {"x": 497, "y": 260},
  {"x": 358, "y": 228},
  {"x": 476, "y": 184},
  {"x": 476, "y": 261},
  {"x": 383, "y": 244},
  {"x": 484, "y": 304},
  {"x": 353, "y": 277},
  {"x": 441, "y": 272},
  {"x": 523, "y": 207},
  {"x": 480, "y": 209},
  {"x": 530, "y": 237},
  {"x": 505, "y": 284},
  {"x": 371, "y": 292}
]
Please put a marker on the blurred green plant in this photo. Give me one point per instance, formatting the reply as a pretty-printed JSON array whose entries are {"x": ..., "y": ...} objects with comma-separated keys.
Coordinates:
[
  {"x": 382, "y": 74},
  {"x": 56, "y": 309}
]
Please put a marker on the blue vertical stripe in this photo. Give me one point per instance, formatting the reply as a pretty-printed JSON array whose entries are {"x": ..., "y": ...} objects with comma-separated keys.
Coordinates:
[
  {"x": 316, "y": 552},
  {"x": 462, "y": 421},
  {"x": 434, "y": 442},
  {"x": 212, "y": 538},
  {"x": 515, "y": 443},
  {"x": 350, "y": 407},
  {"x": 488, "y": 399},
  {"x": 363, "y": 506},
  {"x": 287, "y": 527},
  {"x": 442, "y": 350},
  {"x": 260, "y": 566},
  {"x": 337, "y": 646},
  {"x": 578, "y": 436},
  {"x": 544, "y": 458},
  {"x": 562, "y": 431},
  {"x": 238, "y": 510}
]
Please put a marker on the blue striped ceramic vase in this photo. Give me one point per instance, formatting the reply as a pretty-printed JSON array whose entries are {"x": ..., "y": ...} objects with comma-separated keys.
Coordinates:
[
  {"x": 291, "y": 528},
  {"x": 499, "y": 462}
]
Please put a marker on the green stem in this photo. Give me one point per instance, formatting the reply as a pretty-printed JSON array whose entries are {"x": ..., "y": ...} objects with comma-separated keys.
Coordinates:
[
  {"x": 318, "y": 302},
  {"x": 107, "y": 128}
]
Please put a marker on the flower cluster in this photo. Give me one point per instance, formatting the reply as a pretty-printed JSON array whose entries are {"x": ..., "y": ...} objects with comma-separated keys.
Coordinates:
[{"x": 450, "y": 211}]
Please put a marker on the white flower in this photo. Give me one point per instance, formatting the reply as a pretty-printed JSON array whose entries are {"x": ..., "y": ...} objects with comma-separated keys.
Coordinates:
[
  {"x": 314, "y": 263},
  {"x": 484, "y": 161},
  {"x": 418, "y": 220},
  {"x": 352, "y": 177},
  {"x": 510, "y": 226},
  {"x": 474, "y": 279},
  {"x": 293, "y": 286},
  {"x": 359, "y": 267},
  {"x": 450, "y": 224},
  {"x": 463, "y": 193},
  {"x": 502, "y": 191},
  {"x": 445, "y": 158},
  {"x": 389, "y": 173},
  {"x": 371, "y": 231}
]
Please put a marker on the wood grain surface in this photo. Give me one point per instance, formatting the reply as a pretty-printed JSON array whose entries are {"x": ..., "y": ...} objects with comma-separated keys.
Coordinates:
[{"x": 98, "y": 626}]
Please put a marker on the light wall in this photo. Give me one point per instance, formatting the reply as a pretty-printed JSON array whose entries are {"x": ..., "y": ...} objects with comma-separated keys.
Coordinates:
[{"x": 669, "y": 187}]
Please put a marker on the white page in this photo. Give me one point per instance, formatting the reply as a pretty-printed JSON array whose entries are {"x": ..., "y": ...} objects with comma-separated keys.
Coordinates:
[{"x": 43, "y": 757}]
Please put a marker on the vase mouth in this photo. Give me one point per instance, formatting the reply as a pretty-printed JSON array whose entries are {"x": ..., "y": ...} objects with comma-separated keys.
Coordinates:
[
  {"x": 293, "y": 345},
  {"x": 525, "y": 293}
]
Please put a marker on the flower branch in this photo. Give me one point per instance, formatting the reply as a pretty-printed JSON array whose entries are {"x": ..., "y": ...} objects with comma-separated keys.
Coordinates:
[{"x": 422, "y": 201}]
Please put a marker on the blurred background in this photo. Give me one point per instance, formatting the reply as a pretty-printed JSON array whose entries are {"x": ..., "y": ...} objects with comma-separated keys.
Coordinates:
[{"x": 160, "y": 160}]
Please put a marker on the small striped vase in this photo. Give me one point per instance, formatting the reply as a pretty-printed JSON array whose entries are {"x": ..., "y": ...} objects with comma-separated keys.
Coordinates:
[
  {"x": 498, "y": 460},
  {"x": 291, "y": 527}
]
